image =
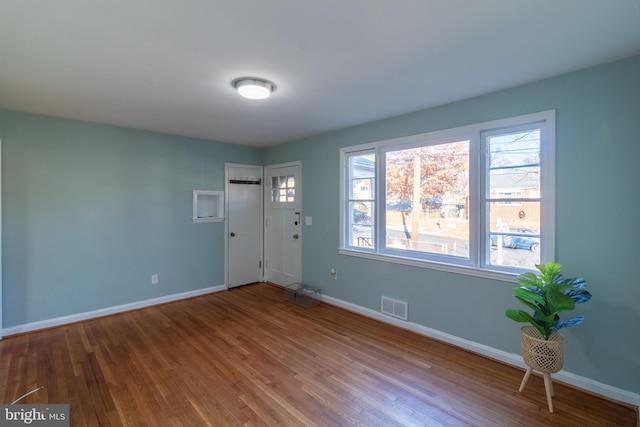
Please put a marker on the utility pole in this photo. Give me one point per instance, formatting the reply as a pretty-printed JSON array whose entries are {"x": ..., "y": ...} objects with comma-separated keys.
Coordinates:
[{"x": 416, "y": 211}]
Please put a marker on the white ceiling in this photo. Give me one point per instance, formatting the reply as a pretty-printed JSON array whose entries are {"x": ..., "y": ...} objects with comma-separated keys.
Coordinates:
[{"x": 167, "y": 65}]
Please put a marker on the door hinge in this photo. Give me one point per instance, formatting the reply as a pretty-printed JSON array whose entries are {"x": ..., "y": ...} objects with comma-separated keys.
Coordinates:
[{"x": 259, "y": 264}]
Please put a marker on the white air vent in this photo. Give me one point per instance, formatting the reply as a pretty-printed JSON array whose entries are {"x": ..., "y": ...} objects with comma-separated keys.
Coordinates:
[{"x": 395, "y": 308}]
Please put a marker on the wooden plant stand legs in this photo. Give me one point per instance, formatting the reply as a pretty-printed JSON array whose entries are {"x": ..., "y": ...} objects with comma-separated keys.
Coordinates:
[
  {"x": 548, "y": 386},
  {"x": 524, "y": 380}
]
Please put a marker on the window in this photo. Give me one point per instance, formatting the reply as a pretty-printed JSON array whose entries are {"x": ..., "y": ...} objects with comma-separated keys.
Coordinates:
[
  {"x": 283, "y": 189},
  {"x": 427, "y": 196},
  {"x": 476, "y": 199},
  {"x": 513, "y": 216},
  {"x": 361, "y": 199}
]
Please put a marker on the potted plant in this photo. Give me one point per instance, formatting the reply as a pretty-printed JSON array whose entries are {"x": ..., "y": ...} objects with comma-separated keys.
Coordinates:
[{"x": 547, "y": 294}]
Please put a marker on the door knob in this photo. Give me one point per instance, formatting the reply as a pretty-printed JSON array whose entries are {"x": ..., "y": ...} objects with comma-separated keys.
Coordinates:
[
  {"x": 232, "y": 234},
  {"x": 295, "y": 236}
]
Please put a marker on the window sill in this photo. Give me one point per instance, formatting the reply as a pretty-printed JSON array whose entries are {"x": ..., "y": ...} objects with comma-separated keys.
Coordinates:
[{"x": 458, "y": 269}]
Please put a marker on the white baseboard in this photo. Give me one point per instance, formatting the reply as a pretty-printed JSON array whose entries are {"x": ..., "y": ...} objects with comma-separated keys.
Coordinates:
[
  {"x": 493, "y": 353},
  {"x": 50, "y": 323}
]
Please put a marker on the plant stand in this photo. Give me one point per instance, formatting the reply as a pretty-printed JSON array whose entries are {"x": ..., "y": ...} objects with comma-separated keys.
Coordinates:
[{"x": 546, "y": 356}]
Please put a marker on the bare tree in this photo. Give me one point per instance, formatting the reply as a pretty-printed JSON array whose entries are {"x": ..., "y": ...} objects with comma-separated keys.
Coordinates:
[{"x": 443, "y": 169}]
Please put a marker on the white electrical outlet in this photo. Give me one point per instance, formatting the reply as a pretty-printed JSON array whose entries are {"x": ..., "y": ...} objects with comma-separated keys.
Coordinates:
[
  {"x": 154, "y": 279},
  {"x": 334, "y": 274}
]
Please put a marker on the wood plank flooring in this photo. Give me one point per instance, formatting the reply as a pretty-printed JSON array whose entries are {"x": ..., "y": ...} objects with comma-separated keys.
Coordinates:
[{"x": 246, "y": 357}]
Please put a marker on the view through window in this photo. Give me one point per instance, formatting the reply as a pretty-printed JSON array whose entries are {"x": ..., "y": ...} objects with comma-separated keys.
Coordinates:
[
  {"x": 427, "y": 199},
  {"x": 513, "y": 199},
  {"x": 468, "y": 197}
]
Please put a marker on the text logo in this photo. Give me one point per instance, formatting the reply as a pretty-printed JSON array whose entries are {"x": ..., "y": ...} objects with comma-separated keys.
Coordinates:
[{"x": 34, "y": 415}]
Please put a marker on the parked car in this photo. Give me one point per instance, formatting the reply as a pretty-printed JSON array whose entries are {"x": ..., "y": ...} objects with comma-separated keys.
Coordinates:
[
  {"x": 518, "y": 238},
  {"x": 400, "y": 205}
]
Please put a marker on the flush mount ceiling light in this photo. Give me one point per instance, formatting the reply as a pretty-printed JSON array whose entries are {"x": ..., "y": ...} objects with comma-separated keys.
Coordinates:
[{"x": 253, "y": 88}]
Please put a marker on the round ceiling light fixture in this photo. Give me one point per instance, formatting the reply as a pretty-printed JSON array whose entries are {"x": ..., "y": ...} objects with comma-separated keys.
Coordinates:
[{"x": 253, "y": 88}]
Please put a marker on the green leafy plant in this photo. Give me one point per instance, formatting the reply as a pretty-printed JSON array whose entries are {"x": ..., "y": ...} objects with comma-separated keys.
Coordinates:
[{"x": 547, "y": 294}]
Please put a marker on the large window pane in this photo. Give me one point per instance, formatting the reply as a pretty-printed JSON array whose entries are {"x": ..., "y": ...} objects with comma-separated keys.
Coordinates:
[{"x": 427, "y": 199}]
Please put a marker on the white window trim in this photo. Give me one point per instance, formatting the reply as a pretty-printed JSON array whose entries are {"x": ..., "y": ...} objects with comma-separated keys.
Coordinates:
[
  {"x": 477, "y": 266},
  {"x": 506, "y": 198}
]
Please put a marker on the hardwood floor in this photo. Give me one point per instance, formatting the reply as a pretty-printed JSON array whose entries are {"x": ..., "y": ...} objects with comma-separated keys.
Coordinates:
[{"x": 246, "y": 357}]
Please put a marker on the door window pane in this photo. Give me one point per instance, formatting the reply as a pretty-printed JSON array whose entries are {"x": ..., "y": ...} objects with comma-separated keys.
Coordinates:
[{"x": 283, "y": 189}]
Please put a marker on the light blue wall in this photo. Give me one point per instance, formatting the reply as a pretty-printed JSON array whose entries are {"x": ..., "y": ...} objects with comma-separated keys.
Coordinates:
[
  {"x": 598, "y": 231},
  {"x": 91, "y": 211}
]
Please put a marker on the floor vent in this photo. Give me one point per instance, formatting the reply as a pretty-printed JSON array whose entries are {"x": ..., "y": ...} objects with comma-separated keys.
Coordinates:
[{"x": 394, "y": 307}]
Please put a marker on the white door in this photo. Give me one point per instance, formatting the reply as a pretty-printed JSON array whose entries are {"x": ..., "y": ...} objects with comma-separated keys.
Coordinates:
[
  {"x": 244, "y": 224},
  {"x": 282, "y": 224},
  {"x": 0, "y": 239}
]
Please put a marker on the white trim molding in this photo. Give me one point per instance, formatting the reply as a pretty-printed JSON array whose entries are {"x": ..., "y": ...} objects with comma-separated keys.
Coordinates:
[
  {"x": 1, "y": 331},
  {"x": 512, "y": 359},
  {"x": 58, "y": 321}
]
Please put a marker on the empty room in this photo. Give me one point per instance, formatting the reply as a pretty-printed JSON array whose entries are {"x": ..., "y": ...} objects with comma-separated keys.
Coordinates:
[{"x": 335, "y": 213}]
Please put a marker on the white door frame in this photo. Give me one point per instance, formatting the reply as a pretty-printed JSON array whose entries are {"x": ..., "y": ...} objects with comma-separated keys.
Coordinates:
[
  {"x": 227, "y": 166},
  {"x": 297, "y": 163},
  {"x": 1, "y": 239}
]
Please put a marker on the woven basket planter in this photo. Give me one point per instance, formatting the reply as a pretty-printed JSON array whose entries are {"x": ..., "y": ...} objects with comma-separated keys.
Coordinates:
[{"x": 546, "y": 356}]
